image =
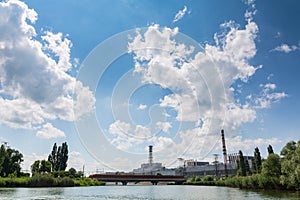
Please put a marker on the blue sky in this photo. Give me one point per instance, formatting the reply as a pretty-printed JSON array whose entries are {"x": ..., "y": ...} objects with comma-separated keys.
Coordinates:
[{"x": 236, "y": 68}]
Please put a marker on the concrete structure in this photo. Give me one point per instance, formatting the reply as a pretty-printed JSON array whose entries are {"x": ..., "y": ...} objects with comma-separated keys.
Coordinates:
[
  {"x": 125, "y": 178},
  {"x": 152, "y": 168},
  {"x": 224, "y": 151}
]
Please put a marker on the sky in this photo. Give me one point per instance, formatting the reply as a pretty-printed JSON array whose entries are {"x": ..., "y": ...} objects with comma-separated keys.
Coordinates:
[{"x": 112, "y": 77}]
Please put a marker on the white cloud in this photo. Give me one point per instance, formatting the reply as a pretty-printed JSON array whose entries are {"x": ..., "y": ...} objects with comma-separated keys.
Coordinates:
[
  {"x": 127, "y": 136},
  {"x": 180, "y": 14},
  {"x": 142, "y": 107},
  {"x": 29, "y": 160},
  {"x": 164, "y": 126},
  {"x": 268, "y": 96},
  {"x": 75, "y": 160},
  {"x": 161, "y": 60},
  {"x": 286, "y": 48},
  {"x": 240, "y": 143},
  {"x": 34, "y": 84},
  {"x": 48, "y": 131}
]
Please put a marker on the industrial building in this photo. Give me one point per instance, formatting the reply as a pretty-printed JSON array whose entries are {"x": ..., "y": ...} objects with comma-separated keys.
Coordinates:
[
  {"x": 193, "y": 167},
  {"x": 152, "y": 168}
]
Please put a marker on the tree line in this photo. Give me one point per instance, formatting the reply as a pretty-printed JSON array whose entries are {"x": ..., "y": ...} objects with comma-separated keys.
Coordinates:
[
  {"x": 56, "y": 164},
  {"x": 275, "y": 172}
]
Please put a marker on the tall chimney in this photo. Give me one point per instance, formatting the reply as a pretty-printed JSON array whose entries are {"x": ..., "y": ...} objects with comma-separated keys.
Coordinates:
[
  {"x": 150, "y": 154},
  {"x": 224, "y": 151}
]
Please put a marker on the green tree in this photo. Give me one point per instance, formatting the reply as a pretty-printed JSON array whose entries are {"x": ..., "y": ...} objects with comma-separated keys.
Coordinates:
[
  {"x": 2, "y": 157},
  {"x": 64, "y": 156},
  {"x": 45, "y": 166},
  {"x": 247, "y": 167},
  {"x": 270, "y": 149},
  {"x": 271, "y": 167},
  {"x": 10, "y": 160},
  {"x": 256, "y": 161},
  {"x": 52, "y": 158},
  {"x": 241, "y": 165},
  {"x": 290, "y": 165},
  {"x": 35, "y": 167},
  {"x": 289, "y": 149},
  {"x": 73, "y": 173},
  {"x": 59, "y": 157}
]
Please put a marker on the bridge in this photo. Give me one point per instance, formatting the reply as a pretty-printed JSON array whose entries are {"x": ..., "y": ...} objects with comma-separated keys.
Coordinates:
[{"x": 126, "y": 178}]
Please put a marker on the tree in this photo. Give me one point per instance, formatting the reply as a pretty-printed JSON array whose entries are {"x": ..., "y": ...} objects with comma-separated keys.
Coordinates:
[
  {"x": 64, "y": 156},
  {"x": 247, "y": 167},
  {"x": 45, "y": 166},
  {"x": 73, "y": 173},
  {"x": 289, "y": 149},
  {"x": 2, "y": 157},
  {"x": 52, "y": 158},
  {"x": 271, "y": 167},
  {"x": 59, "y": 157},
  {"x": 42, "y": 166},
  {"x": 290, "y": 165},
  {"x": 270, "y": 149},
  {"x": 35, "y": 167},
  {"x": 10, "y": 160},
  {"x": 256, "y": 161},
  {"x": 241, "y": 165}
]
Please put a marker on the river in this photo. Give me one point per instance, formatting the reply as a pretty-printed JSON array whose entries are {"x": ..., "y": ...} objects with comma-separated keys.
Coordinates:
[{"x": 157, "y": 192}]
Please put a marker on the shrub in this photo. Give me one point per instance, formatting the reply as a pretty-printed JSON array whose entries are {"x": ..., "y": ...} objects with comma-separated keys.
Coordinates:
[
  {"x": 42, "y": 180},
  {"x": 65, "y": 182}
]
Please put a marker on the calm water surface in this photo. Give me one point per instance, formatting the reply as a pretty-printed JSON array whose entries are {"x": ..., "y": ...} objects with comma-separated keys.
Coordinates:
[{"x": 159, "y": 192}]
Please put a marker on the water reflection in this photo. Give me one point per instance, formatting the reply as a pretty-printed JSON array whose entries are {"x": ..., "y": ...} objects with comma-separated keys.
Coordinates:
[{"x": 157, "y": 192}]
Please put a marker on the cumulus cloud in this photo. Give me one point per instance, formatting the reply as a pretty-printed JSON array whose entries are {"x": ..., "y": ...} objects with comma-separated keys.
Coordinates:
[
  {"x": 180, "y": 14},
  {"x": 127, "y": 136},
  {"x": 49, "y": 131},
  {"x": 142, "y": 107},
  {"x": 268, "y": 96},
  {"x": 162, "y": 60},
  {"x": 239, "y": 142},
  {"x": 76, "y": 160},
  {"x": 164, "y": 126},
  {"x": 35, "y": 86},
  {"x": 286, "y": 48}
]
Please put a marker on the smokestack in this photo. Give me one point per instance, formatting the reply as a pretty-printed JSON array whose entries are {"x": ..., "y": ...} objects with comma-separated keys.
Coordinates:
[
  {"x": 150, "y": 155},
  {"x": 224, "y": 151}
]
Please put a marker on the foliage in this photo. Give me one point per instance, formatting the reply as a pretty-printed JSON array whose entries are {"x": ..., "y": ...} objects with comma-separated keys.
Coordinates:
[
  {"x": 291, "y": 166},
  {"x": 42, "y": 180},
  {"x": 10, "y": 161},
  {"x": 241, "y": 171},
  {"x": 59, "y": 157},
  {"x": 289, "y": 149},
  {"x": 43, "y": 166},
  {"x": 270, "y": 149},
  {"x": 60, "y": 174},
  {"x": 272, "y": 166},
  {"x": 88, "y": 182},
  {"x": 256, "y": 161}
]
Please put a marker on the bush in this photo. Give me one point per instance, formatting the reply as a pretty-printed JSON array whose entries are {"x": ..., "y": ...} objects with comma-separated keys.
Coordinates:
[
  {"x": 88, "y": 182},
  {"x": 42, "y": 180},
  {"x": 207, "y": 178},
  {"x": 65, "y": 182}
]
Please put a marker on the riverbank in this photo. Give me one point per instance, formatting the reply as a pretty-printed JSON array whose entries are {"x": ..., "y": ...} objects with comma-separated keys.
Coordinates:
[
  {"x": 253, "y": 182},
  {"x": 46, "y": 180}
]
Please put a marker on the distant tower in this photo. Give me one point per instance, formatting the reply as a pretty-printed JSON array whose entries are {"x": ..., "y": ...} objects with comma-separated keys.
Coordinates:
[
  {"x": 216, "y": 162},
  {"x": 150, "y": 154},
  {"x": 224, "y": 151}
]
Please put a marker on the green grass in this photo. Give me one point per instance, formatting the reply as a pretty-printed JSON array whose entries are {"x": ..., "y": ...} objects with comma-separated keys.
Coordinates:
[{"x": 47, "y": 180}]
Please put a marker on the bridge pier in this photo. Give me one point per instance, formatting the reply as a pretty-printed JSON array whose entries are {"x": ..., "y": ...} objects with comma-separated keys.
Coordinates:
[
  {"x": 124, "y": 183},
  {"x": 154, "y": 182}
]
